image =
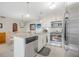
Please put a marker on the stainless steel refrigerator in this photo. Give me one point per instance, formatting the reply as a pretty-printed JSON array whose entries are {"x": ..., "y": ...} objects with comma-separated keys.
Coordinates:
[{"x": 71, "y": 34}]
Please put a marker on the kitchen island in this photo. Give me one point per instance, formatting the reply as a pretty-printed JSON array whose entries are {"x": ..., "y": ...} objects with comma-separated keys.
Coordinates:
[{"x": 28, "y": 44}]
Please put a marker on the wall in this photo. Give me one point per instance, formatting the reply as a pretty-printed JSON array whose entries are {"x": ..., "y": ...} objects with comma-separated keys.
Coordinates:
[
  {"x": 28, "y": 24},
  {"x": 33, "y": 22},
  {"x": 7, "y": 26}
]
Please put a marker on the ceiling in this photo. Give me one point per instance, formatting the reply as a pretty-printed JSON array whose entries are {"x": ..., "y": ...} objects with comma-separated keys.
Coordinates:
[{"x": 34, "y": 9}]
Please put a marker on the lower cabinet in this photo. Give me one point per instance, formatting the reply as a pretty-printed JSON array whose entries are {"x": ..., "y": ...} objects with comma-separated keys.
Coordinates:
[
  {"x": 30, "y": 49},
  {"x": 41, "y": 41}
]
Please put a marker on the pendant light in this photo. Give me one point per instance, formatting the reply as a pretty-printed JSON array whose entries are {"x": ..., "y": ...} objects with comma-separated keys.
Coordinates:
[
  {"x": 23, "y": 22},
  {"x": 28, "y": 5},
  {"x": 66, "y": 14}
]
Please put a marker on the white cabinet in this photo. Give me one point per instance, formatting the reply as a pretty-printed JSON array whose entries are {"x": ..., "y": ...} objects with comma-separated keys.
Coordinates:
[
  {"x": 30, "y": 49},
  {"x": 19, "y": 46},
  {"x": 41, "y": 41},
  {"x": 25, "y": 47}
]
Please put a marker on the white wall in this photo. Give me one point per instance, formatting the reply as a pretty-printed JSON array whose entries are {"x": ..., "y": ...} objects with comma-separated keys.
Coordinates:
[
  {"x": 33, "y": 22},
  {"x": 7, "y": 26},
  {"x": 28, "y": 24}
]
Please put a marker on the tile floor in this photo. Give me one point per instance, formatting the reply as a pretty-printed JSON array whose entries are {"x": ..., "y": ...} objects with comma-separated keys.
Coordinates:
[
  {"x": 55, "y": 52},
  {"x": 7, "y": 51}
]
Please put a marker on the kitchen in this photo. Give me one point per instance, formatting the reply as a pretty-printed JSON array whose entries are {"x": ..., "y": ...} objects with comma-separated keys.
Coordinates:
[{"x": 33, "y": 29}]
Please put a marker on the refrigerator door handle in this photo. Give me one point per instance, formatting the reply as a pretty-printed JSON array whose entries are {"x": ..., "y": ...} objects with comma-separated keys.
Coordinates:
[{"x": 65, "y": 32}]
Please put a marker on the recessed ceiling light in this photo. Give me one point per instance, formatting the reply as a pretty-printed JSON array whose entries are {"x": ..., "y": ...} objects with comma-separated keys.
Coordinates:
[{"x": 52, "y": 5}]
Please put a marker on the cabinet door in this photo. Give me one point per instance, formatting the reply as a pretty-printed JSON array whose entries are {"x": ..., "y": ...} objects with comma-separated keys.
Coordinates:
[
  {"x": 41, "y": 41},
  {"x": 30, "y": 49},
  {"x": 2, "y": 38}
]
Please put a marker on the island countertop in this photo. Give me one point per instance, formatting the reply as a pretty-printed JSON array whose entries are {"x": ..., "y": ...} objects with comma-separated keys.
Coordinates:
[{"x": 25, "y": 35}]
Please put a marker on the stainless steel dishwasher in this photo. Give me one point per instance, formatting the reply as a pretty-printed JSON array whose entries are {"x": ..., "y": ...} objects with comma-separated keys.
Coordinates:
[{"x": 31, "y": 46}]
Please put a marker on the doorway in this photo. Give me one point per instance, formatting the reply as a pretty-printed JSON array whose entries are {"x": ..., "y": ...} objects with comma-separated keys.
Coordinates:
[{"x": 15, "y": 27}]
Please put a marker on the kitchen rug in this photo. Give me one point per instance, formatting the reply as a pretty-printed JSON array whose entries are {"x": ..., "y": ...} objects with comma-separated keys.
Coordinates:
[{"x": 44, "y": 51}]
